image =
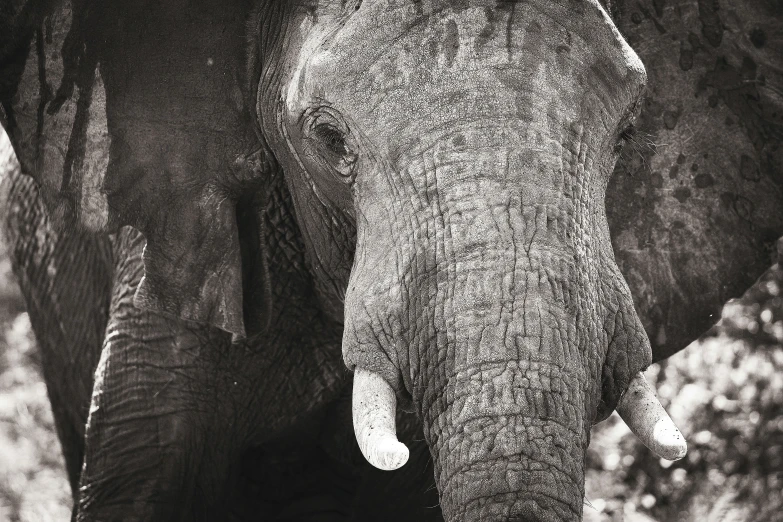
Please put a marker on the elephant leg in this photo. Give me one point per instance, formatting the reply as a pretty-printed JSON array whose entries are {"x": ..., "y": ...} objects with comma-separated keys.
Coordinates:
[
  {"x": 65, "y": 277},
  {"x": 154, "y": 447}
]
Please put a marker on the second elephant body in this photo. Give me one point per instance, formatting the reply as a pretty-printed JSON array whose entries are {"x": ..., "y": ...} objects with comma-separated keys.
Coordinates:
[{"x": 187, "y": 425}]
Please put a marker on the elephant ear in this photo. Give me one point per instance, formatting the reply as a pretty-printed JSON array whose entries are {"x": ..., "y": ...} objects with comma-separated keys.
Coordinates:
[
  {"x": 125, "y": 118},
  {"x": 181, "y": 134},
  {"x": 193, "y": 266}
]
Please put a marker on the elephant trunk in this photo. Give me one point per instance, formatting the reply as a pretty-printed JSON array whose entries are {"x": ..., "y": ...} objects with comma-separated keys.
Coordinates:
[
  {"x": 513, "y": 447},
  {"x": 507, "y": 417}
]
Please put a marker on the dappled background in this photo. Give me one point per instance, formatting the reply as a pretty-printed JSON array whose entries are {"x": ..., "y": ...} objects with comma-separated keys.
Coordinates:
[{"x": 725, "y": 393}]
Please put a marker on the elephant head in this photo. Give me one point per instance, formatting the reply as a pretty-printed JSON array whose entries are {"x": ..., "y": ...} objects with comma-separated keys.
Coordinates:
[{"x": 447, "y": 161}]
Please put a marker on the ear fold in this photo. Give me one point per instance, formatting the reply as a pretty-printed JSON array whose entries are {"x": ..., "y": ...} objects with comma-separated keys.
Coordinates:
[
  {"x": 193, "y": 266},
  {"x": 178, "y": 186}
]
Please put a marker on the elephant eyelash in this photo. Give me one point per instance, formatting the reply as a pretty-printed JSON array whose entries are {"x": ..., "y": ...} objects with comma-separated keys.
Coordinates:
[
  {"x": 628, "y": 133},
  {"x": 626, "y": 136},
  {"x": 332, "y": 138}
]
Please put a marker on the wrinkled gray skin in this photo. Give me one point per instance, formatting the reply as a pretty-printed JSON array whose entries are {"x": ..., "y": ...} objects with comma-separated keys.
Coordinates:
[
  {"x": 414, "y": 188},
  {"x": 253, "y": 431}
]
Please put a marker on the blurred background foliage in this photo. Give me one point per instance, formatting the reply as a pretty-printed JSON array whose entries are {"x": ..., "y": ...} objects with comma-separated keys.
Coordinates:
[{"x": 725, "y": 392}]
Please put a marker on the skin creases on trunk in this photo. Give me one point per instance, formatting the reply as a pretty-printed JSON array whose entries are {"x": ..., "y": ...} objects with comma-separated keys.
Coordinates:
[
  {"x": 513, "y": 447},
  {"x": 498, "y": 323},
  {"x": 506, "y": 384},
  {"x": 504, "y": 408}
]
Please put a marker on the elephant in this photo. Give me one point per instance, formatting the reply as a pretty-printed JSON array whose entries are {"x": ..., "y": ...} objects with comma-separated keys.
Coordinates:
[{"x": 271, "y": 191}]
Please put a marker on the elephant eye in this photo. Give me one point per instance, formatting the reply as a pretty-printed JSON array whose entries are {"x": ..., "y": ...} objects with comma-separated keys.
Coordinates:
[
  {"x": 335, "y": 150},
  {"x": 331, "y": 138}
]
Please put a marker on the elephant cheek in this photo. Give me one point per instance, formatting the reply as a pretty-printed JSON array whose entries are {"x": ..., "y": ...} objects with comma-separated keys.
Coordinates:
[{"x": 628, "y": 351}]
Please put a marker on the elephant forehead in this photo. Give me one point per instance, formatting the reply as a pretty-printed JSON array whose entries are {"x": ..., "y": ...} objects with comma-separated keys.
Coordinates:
[{"x": 469, "y": 60}]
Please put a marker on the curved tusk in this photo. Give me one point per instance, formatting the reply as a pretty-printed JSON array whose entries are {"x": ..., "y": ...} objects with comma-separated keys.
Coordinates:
[
  {"x": 374, "y": 409},
  {"x": 643, "y": 413}
]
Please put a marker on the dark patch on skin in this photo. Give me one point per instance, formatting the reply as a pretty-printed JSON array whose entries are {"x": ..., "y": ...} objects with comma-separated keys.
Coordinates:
[
  {"x": 534, "y": 27},
  {"x": 670, "y": 119},
  {"x": 658, "y": 5},
  {"x": 74, "y": 157},
  {"x": 703, "y": 180},
  {"x": 694, "y": 40},
  {"x": 459, "y": 140},
  {"x": 680, "y": 159},
  {"x": 694, "y": 167},
  {"x": 488, "y": 31},
  {"x": 451, "y": 42},
  {"x": 748, "y": 168},
  {"x": 682, "y": 194},
  {"x": 758, "y": 38},
  {"x": 647, "y": 14},
  {"x": 531, "y": 46},
  {"x": 744, "y": 207},
  {"x": 738, "y": 88},
  {"x": 657, "y": 180},
  {"x": 673, "y": 171},
  {"x": 80, "y": 61},
  {"x": 711, "y": 24},
  {"x": 688, "y": 51},
  {"x": 686, "y": 57},
  {"x": 677, "y": 225},
  {"x": 637, "y": 17}
]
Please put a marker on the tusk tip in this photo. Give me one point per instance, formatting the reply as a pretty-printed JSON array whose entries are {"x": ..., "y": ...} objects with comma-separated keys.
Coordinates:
[
  {"x": 643, "y": 413},
  {"x": 672, "y": 452},
  {"x": 668, "y": 441},
  {"x": 374, "y": 406},
  {"x": 389, "y": 454}
]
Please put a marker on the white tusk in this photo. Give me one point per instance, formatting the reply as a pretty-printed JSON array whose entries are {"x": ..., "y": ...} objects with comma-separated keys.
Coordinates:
[
  {"x": 374, "y": 409},
  {"x": 643, "y": 413}
]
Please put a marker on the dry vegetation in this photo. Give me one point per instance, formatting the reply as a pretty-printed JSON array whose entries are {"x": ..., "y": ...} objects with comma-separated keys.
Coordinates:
[
  {"x": 725, "y": 393},
  {"x": 33, "y": 485}
]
